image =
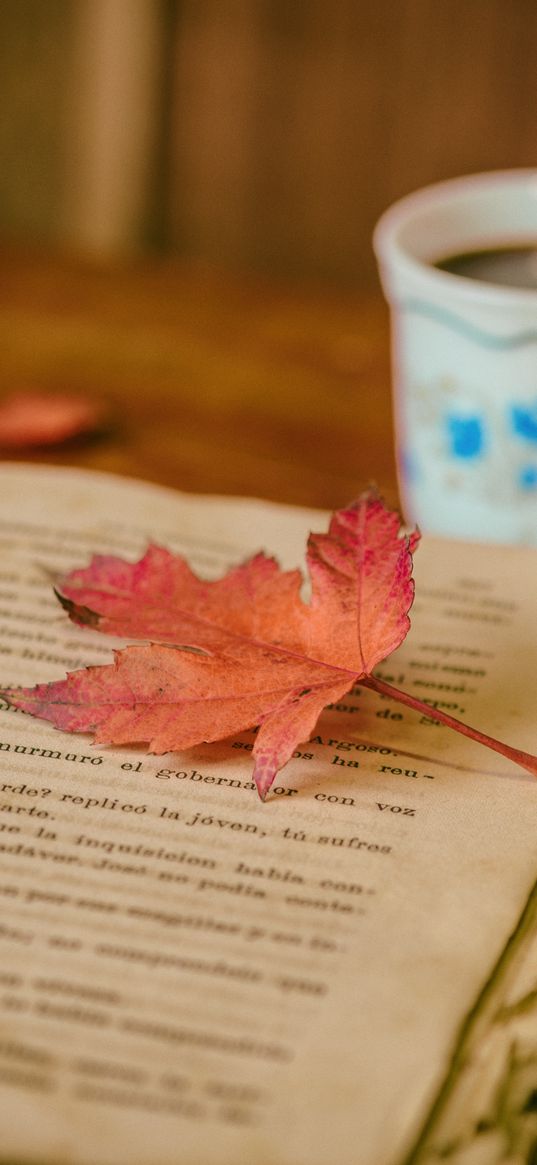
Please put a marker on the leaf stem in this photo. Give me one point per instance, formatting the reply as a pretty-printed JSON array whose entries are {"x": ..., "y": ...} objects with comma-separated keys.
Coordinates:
[{"x": 525, "y": 759}]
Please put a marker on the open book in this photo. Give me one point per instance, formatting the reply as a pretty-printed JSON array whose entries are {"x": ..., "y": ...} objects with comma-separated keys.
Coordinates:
[{"x": 344, "y": 974}]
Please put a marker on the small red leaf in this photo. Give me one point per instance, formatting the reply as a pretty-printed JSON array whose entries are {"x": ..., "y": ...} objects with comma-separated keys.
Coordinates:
[{"x": 33, "y": 419}]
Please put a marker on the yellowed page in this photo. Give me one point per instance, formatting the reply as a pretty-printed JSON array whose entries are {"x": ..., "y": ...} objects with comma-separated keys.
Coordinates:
[{"x": 188, "y": 975}]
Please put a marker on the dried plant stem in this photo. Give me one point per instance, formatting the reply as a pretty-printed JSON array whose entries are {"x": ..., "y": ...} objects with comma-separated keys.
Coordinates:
[{"x": 524, "y": 759}]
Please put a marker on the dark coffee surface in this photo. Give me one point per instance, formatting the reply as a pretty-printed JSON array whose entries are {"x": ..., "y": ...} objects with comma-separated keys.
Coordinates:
[{"x": 509, "y": 266}]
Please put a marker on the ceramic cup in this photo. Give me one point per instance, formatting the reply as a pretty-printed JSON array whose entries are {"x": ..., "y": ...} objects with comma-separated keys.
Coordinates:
[{"x": 465, "y": 356}]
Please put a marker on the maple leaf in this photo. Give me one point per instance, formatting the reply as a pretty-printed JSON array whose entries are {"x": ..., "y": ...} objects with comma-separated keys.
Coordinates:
[
  {"x": 262, "y": 656},
  {"x": 245, "y": 650}
]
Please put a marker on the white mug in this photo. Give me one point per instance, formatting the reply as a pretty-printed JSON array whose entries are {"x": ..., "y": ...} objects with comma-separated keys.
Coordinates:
[{"x": 465, "y": 355}]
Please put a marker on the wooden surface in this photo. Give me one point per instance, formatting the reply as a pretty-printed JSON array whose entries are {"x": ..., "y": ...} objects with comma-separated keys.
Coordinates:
[{"x": 215, "y": 384}]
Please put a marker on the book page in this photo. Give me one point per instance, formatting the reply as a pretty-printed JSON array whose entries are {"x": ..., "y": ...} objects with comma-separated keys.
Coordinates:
[{"x": 190, "y": 975}]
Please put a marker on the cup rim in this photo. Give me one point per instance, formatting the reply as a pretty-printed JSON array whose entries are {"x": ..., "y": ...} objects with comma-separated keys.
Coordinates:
[{"x": 388, "y": 248}]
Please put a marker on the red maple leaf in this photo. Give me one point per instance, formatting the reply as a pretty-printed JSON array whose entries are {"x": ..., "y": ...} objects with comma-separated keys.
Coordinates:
[{"x": 245, "y": 650}]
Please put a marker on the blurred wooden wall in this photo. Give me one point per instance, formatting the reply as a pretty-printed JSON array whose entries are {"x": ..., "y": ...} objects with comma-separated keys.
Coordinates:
[
  {"x": 34, "y": 76},
  {"x": 282, "y": 128},
  {"x": 296, "y": 122}
]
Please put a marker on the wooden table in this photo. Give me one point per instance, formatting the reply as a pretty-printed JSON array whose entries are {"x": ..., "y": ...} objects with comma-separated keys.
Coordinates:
[{"x": 215, "y": 383}]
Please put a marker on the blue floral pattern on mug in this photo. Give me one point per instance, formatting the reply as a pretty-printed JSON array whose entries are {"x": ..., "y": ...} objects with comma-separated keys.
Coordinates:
[
  {"x": 466, "y": 436},
  {"x": 472, "y": 442},
  {"x": 528, "y": 478},
  {"x": 524, "y": 422}
]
